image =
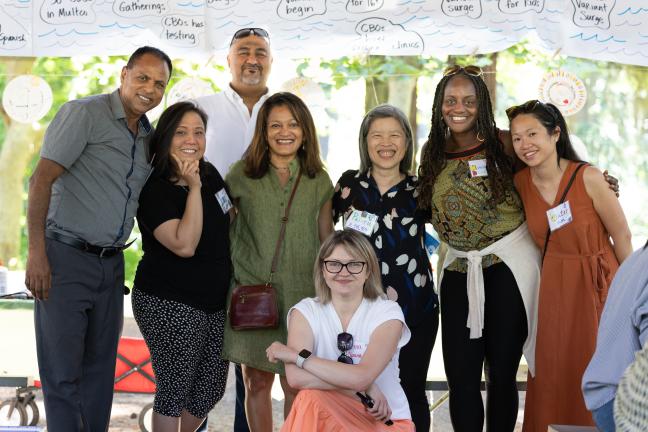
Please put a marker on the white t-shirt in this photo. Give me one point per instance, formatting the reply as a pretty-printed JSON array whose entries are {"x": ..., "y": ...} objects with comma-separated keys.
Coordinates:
[
  {"x": 230, "y": 127},
  {"x": 326, "y": 326}
]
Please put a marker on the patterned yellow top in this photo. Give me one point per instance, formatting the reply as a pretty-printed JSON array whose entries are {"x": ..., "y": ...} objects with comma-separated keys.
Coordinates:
[{"x": 462, "y": 214}]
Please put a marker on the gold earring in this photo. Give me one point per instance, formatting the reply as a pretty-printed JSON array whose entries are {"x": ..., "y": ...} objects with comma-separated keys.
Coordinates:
[{"x": 482, "y": 139}]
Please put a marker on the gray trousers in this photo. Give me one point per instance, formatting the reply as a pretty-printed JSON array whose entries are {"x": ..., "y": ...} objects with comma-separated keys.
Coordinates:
[{"x": 77, "y": 332}]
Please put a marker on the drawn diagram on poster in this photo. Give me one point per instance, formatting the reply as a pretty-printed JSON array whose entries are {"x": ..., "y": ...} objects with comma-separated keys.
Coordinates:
[
  {"x": 565, "y": 90},
  {"x": 189, "y": 88},
  {"x": 600, "y": 29},
  {"x": 27, "y": 98}
]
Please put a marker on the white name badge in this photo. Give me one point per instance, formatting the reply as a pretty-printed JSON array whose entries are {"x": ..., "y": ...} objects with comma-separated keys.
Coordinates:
[
  {"x": 477, "y": 168},
  {"x": 362, "y": 221},
  {"x": 559, "y": 216},
  {"x": 223, "y": 200}
]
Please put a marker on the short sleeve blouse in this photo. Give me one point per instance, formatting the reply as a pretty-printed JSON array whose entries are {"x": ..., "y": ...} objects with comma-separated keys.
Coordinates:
[
  {"x": 398, "y": 238},
  {"x": 261, "y": 205},
  {"x": 326, "y": 325},
  {"x": 202, "y": 280}
]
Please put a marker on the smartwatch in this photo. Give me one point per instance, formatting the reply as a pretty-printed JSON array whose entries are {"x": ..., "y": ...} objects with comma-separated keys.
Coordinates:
[{"x": 301, "y": 358}]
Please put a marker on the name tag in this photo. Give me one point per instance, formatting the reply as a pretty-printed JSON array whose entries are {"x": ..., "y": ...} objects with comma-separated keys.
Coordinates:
[
  {"x": 559, "y": 216},
  {"x": 224, "y": 201},
  {"x": 362, "y": 221},
  {"x": 478, "y": 168},
  {"x": 431, "y": 244}
]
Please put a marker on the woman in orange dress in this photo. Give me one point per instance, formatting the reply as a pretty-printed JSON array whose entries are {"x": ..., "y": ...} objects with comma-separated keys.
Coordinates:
[{"x": 579, "y": 262}]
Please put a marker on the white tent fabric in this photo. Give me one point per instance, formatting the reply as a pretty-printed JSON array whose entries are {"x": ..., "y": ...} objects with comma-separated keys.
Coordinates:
[{"x": 613, "y": 30}]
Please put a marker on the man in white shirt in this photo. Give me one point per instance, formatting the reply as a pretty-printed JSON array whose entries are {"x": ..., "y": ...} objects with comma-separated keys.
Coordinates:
[
  {"x": 232, "y": 118},
  {"x": 232, "y": 112}
]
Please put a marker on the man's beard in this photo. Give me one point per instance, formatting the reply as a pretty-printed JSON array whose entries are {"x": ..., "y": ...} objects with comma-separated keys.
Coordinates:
[{"x": 252, "y": 79}]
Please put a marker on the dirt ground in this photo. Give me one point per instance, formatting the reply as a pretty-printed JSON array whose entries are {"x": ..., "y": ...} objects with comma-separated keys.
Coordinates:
[{"x": 126, "y": 408}]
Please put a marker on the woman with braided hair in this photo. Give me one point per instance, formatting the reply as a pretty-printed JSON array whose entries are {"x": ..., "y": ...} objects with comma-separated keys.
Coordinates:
[{"x": 491, "y": 273}]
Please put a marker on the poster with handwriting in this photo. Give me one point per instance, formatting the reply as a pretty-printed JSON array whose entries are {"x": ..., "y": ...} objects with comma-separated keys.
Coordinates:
[{"x": 613, "y": 30}]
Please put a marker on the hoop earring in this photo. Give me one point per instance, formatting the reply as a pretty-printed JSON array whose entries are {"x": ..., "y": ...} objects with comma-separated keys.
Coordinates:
[{"x": 482, "y": 139}]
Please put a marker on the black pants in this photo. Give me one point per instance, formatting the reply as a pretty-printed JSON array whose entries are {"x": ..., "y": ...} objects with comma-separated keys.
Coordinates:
[
  {"x": 498, "y": 350},
  {"x": 414, "y": 361},
  {"x": 77, "y": 331},
  {"x": 240, "y": 419}
]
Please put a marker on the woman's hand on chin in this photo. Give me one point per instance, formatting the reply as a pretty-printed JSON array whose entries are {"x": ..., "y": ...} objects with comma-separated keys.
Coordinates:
[
  {"x": 280, "y": 352},
  {"x": 188, "y": 171}
]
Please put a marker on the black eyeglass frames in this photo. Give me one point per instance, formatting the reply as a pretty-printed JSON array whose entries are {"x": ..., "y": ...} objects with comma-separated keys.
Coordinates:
[
  {"x": 250, "y": 31},
  {"x": 353, "y": 267},
  {"x": 469, "y": 70},
  {"x": 345, "y": 343}
]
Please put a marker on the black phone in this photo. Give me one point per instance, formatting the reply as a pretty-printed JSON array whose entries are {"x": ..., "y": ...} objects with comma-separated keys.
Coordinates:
[
  {"x": 369, "y": 403},
  {"x": 366, "y": 400}
]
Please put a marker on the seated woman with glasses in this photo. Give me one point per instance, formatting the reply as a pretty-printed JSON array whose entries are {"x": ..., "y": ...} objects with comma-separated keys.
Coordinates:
[
  {"x": 572, "y": 215},
  {"x": 343, "y": 346}
]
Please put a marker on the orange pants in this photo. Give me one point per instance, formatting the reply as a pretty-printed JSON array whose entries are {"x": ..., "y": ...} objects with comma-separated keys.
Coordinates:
[{"x": 332, "y": 411}]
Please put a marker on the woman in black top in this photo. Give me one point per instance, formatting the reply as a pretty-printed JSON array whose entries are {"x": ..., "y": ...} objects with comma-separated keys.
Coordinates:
[
  {"x": 183, "y": 277},
  {"x": 379, "y": 200}
]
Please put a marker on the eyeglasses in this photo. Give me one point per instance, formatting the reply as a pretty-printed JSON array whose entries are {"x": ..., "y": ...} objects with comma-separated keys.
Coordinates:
[
  {"x": 468, "y": 70},
  {"x": 345, "y": 343},
  {"x": 525, "y": 108},
  {"x": 353, "y": 267},
  {"x": 250, "y": 31}
]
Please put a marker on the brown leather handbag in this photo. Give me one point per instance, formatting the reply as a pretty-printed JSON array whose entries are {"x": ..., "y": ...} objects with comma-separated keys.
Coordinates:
[{"x": 255, "y": 306}]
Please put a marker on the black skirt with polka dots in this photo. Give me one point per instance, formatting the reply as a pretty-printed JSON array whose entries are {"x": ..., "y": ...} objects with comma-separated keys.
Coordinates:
[{"x": 185, "y": 345}]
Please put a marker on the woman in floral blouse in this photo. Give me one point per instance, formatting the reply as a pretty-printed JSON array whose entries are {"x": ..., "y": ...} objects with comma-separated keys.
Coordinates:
[{"x": 379, "y": 200}]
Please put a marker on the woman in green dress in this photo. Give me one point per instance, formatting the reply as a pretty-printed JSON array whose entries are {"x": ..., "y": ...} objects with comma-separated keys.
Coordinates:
[{"x": 284, "y": 143}]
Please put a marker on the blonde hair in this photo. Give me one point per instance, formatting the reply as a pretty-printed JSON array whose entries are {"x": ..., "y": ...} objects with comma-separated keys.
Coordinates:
[{"x": 357, "y": 246}]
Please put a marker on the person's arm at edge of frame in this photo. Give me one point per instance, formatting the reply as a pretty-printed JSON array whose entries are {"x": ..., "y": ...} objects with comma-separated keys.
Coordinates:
[
  {"x": 358, "y": 377},
  {"x": 609, "y": 210},
  {"x": 38, "y": 277},
  {"x": 640, "y": 315}
]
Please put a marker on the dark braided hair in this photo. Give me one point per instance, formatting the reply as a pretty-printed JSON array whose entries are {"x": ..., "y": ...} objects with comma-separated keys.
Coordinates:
[{"x": 433, "y": 158}]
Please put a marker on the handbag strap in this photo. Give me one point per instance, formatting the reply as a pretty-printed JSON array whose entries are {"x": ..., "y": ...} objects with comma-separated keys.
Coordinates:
[
  {"x": 282, "y": 232},
  {"x": 562, "y": 198}
]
